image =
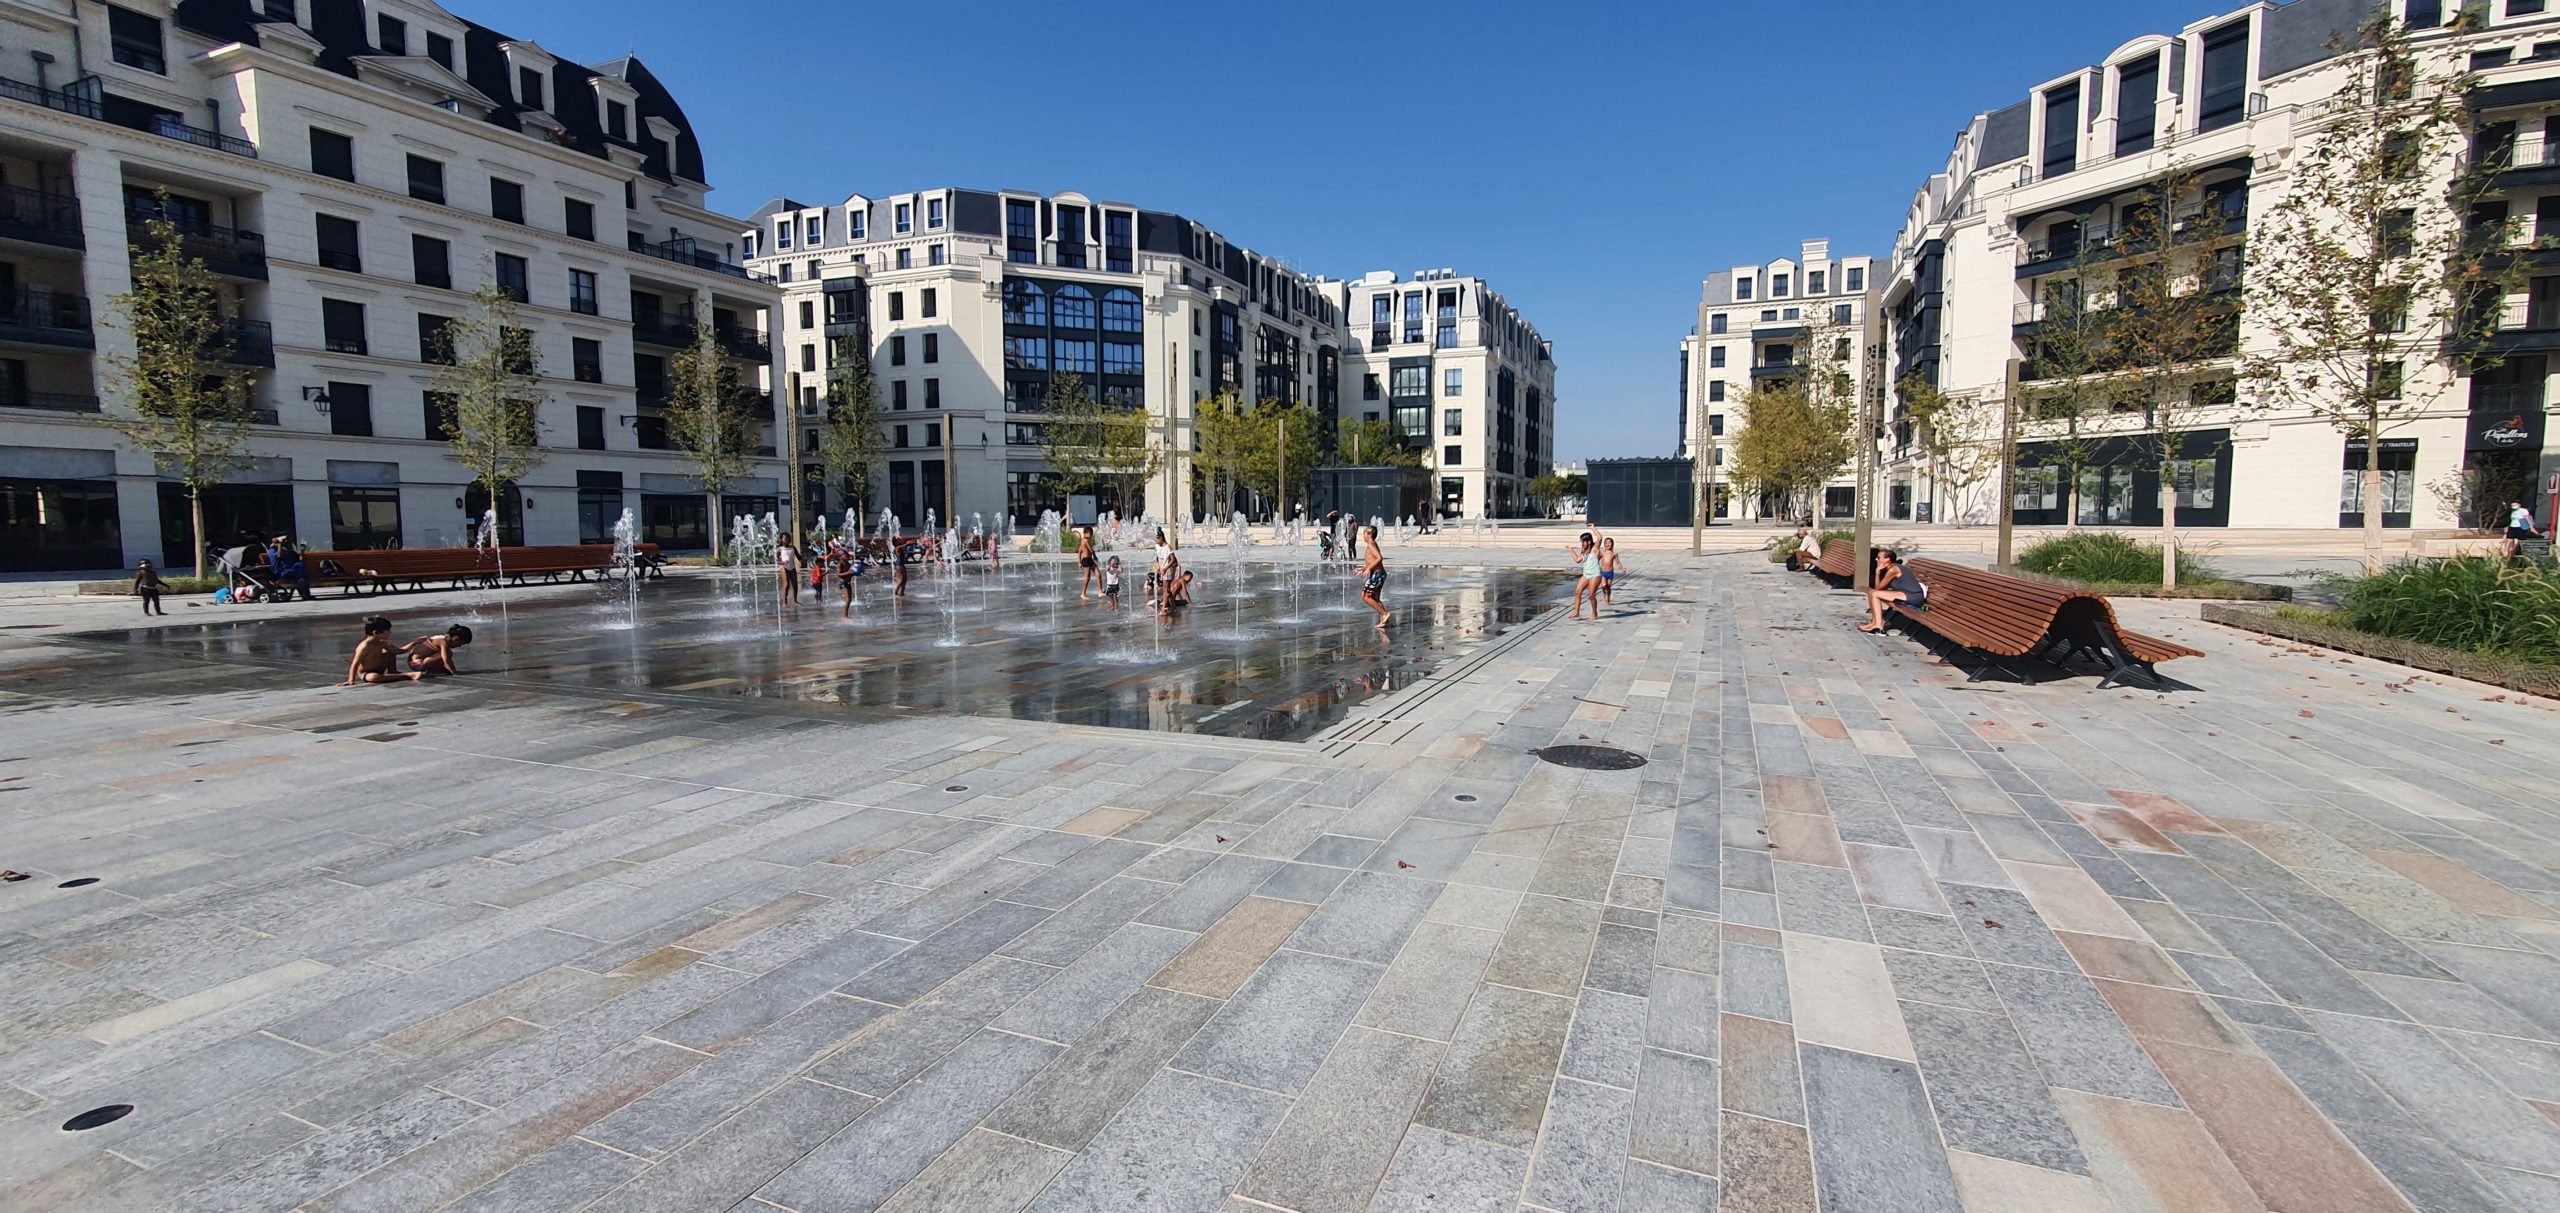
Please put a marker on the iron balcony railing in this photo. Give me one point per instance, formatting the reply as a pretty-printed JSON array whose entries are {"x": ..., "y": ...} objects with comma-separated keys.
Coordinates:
[
  {"x": 40, "y": 216},
  {"x": 46, "y": 316},
  {"x": 745, "y": 343},
  {"x": 683, "y": 252},
  {"x": 240, "y": 254},
  {"x": 84, "y": 97},
  {"x": 252, "y": 342},
  {"x": 170, "y": 128},
  {"x": 661, "y": 329},
  {"x": 51, "y": 402}
]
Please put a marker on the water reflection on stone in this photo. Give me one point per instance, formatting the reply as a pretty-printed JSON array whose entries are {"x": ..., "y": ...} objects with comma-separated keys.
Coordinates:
[{"x": 1277, "y": 652}]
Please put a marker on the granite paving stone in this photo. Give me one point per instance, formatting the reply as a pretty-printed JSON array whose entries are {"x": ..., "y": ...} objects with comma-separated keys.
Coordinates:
[
  {"x": 659, "y": 952},
  {"x": 1339, "y": 1136}
]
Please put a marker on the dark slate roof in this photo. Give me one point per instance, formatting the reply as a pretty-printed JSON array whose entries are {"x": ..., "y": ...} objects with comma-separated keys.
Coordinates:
[{"x": 339, "y": 25}]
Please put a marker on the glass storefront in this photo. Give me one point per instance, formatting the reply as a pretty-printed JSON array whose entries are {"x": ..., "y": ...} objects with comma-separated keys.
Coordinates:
[{"x": 60, "y": 525}]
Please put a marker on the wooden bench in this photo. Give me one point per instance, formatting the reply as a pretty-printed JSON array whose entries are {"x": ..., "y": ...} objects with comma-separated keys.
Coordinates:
[
  {"x": 2009, "y": 619},
  {"x": 1837, "y": 562},
  {"x": 413, "y": 568}
]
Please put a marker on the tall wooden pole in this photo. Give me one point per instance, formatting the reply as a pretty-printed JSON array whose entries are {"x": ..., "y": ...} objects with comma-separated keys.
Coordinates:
[{"x": 2007, "y": 504}]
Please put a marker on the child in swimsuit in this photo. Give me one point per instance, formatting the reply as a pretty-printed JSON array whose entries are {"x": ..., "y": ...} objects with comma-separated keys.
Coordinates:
[
  {"x": 1587, "y": 585},
  {"x": 375, "y": 660},
  {"x": 1373, "y": 569},
  {"x": 1609, "y": 567},
  {"x": 432, "y": 656},
  {"x": 1111, "y": 583}
]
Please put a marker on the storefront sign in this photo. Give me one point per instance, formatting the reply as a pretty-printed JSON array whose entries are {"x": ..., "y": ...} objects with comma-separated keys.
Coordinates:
[{"x": 2505, "y": 430}]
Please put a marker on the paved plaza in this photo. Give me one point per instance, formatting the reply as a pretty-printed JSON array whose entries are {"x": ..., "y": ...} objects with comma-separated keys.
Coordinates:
[{"x": 1858, "y": 936}]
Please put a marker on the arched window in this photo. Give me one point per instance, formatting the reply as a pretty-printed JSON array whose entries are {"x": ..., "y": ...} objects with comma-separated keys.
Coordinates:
[
  {"x": 1074, "y": 308},
  {"x": 1024, "y": 303},
  {"x": 1120, "y": 311}
]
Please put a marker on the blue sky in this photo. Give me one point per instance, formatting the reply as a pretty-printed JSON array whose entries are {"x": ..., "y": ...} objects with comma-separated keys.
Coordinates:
[{"x": 1593, "y": 161}]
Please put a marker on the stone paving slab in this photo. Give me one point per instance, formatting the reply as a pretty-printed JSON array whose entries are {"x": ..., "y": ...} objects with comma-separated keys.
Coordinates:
[{"x": 1860, "y": 936}]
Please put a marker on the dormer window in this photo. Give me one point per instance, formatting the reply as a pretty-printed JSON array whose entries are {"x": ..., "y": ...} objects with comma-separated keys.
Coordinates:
[
  {"x": 391, "y": 34},
  {"x": 529, "y": 87},
  {"x": 1778, "y": 284},
  {"x": 617, "y": 120},
  {"x": 782, "y": 234},
  {"x": 857, "y": 221},
  {"x": 1742, "y": 288},
  {"x": 933, "y": 212},
  {"x": 817, "y": 229},
  {"x": 906, "y": 217},
  {"x": 281, "y": 10},
  {"x": 440, "y": 49}
]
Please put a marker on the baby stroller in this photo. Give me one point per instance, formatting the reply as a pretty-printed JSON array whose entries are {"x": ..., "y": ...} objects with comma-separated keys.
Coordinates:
[{"x": 241, "y": 567}]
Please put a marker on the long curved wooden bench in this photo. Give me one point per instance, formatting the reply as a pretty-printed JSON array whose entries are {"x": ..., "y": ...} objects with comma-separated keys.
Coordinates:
[
  {"x": 2008, "y": 619},
  {"x": 413, "y": 568}
]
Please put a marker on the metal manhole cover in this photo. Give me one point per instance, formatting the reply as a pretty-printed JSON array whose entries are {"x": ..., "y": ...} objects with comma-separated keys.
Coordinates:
[{"x": 1591, "y": 757}]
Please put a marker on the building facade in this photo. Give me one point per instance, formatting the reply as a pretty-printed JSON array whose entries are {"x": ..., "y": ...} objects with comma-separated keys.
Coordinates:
[
  {"x": 2034, "y": 193},
  {"x": 971, "y": 302},
  {"x": 1466, "y": 382},
  {"x": 352, "y": 170},
  {"x": 1761, "y": 324}
]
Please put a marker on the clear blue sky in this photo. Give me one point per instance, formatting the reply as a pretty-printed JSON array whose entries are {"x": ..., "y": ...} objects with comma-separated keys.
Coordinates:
[{"x": 1592, "y": 160}]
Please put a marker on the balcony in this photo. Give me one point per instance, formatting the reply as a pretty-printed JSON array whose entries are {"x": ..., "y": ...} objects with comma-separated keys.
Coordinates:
[
  {"x": 40, "y": 217},
  {"x": 683, "y": 252},
  {"x": 759, "y": 406},
  {"x": 252, "y": 342},
  {"x": 743, "y": 343},
  {"x": 51, "y": 402},
  {"x": 170, "y": 128},
  {"x": 1774, "y": 370},
  {"x": 83, "y": 98},
  {"x": 229, "y": 253},
  {"x": 35, "y": 315},
  {"x": 665, "y": 331},
  {"x": 2521, "y": 165}
]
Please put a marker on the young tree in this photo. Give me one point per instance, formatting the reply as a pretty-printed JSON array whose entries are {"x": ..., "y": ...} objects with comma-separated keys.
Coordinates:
[
  {"x": 2372, "y": 291},
  {"x": 1227, "y": 442},
  {"x": 1799, "y": 431},
  {"x": 708, "y": 418},
  {"x": 490, "y": 393},
  {"x": 1286, "y": 438},
  {"x": 1958, "y": 440},
  {"x": 189, "y": 409},
  {"x": 1094, "y": 445},
  {"x": 1372, "y": 444},
  {"x": 2070, "y": 405},
  {"x": 2174, "y": 330},
  {"x": 850, "y": 438}
]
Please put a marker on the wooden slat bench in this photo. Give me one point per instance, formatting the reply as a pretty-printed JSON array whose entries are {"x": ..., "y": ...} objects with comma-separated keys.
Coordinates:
[
  {"x": 414, "y": 568},
  {"x": 2008, "y": 619},
  {"x": 1837, "y": 562}
]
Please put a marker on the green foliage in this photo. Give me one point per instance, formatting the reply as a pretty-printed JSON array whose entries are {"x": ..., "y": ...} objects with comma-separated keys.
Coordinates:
[
  {"x": 2478, "y": 604},
  {"x": 1795, "y": 435},
  {"x": 2096, "y": 557},
  {"x": 184, "y": 405},
  {"x": 1094, "y": 445},
  {"x": 1372, "y": 444},
  {"x": 1787, "y": 545},
  {"x": 490, "y": 391},
  {"x": 850, "y": 438}
]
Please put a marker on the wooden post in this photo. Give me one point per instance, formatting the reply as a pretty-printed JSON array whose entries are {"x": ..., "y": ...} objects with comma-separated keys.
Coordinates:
[{"x": 2008, "y": 466}]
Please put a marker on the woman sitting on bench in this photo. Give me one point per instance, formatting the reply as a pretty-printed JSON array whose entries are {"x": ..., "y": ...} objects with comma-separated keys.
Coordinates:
[{"x": 1894, "y": 583}]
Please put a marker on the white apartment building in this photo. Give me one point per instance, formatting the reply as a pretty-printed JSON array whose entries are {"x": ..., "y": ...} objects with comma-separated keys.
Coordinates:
[
  {"x": 1755, "y": 325},
  {"x": 2035, "y": 189},
  {"x": 1464, "y": 379},
  {"x": 352, "y": 170},
  {"x": 971, "y": 300}
]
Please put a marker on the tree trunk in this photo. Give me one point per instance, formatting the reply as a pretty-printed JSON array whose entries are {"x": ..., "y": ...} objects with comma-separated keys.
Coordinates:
[
  {"x": 195, "y": 508},
  {"x": 2169, "y": 525},
  {"x": 714, "y": 527},
  {"x": 2372, "y": 503}
]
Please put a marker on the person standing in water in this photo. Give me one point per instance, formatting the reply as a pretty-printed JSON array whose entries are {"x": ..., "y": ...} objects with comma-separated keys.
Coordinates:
[
  {"x": 787, "y": 563},
  {"x": 1609, "y": 570},
  {"x": 1085, "y": 562},
  {"x": 1373, "y": 574},
  {"x": 1586, "y": 583}
]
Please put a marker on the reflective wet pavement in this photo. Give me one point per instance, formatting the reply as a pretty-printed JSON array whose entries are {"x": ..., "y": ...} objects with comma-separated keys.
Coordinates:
[{"x": 1279, "y": 653}]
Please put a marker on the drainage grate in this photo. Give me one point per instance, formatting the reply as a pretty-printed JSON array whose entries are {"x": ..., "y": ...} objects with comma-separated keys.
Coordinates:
[
  {"x": 95, "y": 1117},
  {"x": 1591, "y": 757},
  {"x": 76, "y": 883},
  {"x": 957, "y": 787}
]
